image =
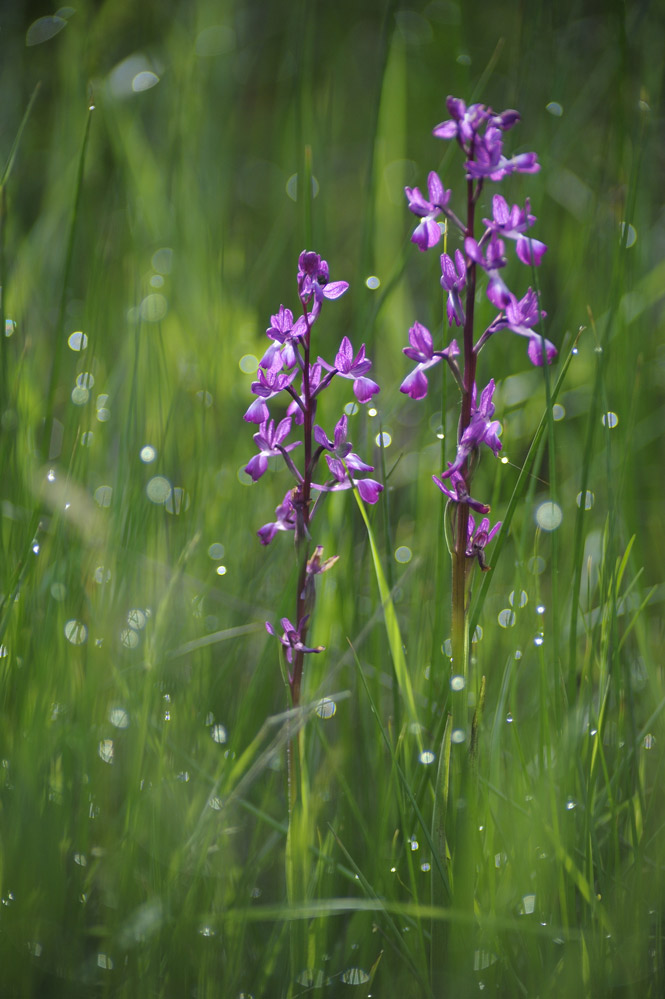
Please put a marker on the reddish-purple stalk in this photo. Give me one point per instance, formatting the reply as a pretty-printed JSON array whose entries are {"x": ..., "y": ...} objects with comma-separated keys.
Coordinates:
[{"x": 459, "y": 558}]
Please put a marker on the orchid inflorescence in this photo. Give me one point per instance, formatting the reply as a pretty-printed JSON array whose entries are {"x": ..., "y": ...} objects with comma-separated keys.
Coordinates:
[
  {"x": 288, "y": 366},
  {"x": 479, "y": 132}
]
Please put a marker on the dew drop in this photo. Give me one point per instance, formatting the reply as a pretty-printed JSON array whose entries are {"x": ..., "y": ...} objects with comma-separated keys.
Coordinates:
[
  {"x": 10, "y": 327},
  {"x": 103, "y": 496},
  {"x": 539, "y": 639},
  {"x": 458, "y": 736},
  {"x": 147, "y": 454},
  {"x": 136, "y": 619},
  {"x": 103, "y": 415},
  {"x": 589, "y": 499},
  {"x": 575, "y": 350},
  {"x": 129, "y": 638},
  {"x": 457, "y": 683},
  {"x": 649, "y": 741},
  {"x": 383, "y": 439},
  {"x": 248, "y": 364},
  {"x": 101, "y": 574},
  {"x": 540, "y": 609},
  {"x": 427, "y": 757},
  {"x": 81, "y": 859},
  {"x": 87, "y": 438},
  {"x": 80, "y": 395},
  {"x": 156, "y": 281},
  {"x": 509, "y": 717},
  {"x": 629, "y": 234},
  {"x": 158, "y": 489},
  {"x": 85, "y": 380},
  {"x": 153, "y": 308},
  {"x": 558, "y": 412},
  {"x": 77, "y": 341},
  {"x": 105, "y": 750},
  {"x": 403, "y": 554},
  {"x": 571, "y": 804},
  {"x": 506, "y": 618},
  {"x": 520, "y": 599},
  {"x": 351, "y": 408},
  {"x": 372, "y": 411},
  {"x": 477, "y": 634},
  {"x": 518, "y": 654},
  {"x": 554, "y": 108},
  {"x": 58, "y": 591},
  {"x": 119, "y": 717},
  {"x": 355, "y": 976},
  {"x": 218, "y": 734},
  {"x": 610, "y": 420},
  {"x": 425, "y": 867},
  {"x": 105, "y": 962},
  {"x": 549, "y": 516},
  {"x": 528, "y": 905},
  {"x": 373, "y": 282},
  {"x": 447, "y": 648},
  {"x": 206, "y": 931},
  {"x": 325, "y": 708},
  {"x": 76, "y": 632},
  {"x": 144, "y": 80}
]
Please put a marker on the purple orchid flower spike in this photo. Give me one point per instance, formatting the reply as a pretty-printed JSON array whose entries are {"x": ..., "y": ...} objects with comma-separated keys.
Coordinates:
[
  {"x": 369, "y": 489},
  {"x": 427, "y": 233},
  {"x": 292, "y": 638},
  {"x": 491, "y": 261},
  {"x": 422, "y": 351},
  {"x": 453, "y": 279},
  {"x": 482, "y": 429},
  {"x": 477, "y": 540},
  {"x": 269, "y": 441},
  {"x": 354, "y": 368},
  {"x": 286, "y": 335},
  {"x": 314, "y": 280},
  {"x": 456, "y": 491},
  {"x": 521, "y": 317},
  {"x": 489, "y": 161},
  {"x": 340, "y": 448},
  {"x": 285, "y": 520},
  {"x": 512, "y": 223},
  {"x": 270, "y": 383},
  {"x": 463, "y": 123}
]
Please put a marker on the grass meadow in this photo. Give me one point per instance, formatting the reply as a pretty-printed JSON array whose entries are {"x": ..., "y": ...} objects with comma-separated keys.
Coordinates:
[{"x": 146, "y": 845}]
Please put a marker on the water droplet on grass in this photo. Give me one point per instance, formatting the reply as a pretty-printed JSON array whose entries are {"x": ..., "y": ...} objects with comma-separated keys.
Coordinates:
[
  {"x": 147, "y": 454},
  {"x": 87, "y": 438},
  {"x": 355, "y": 976},
  {"x": 528, "y": 905},
  {"x": 549, "y": 516},
  {"x": 153, "y": 308},
  {"x": 119, "y": 717},
  {"x": 44, "y": 28},
  {"x": 589, "y": 499},
  {"x": 506, "y": 618},
  {"x": 144, "y": 80},
  {"x": 80, "y": 395},
  {"x": 105, "y": 750},
  {"x": 610, "y": 420},
  {"x": 458, "y": 736},
  {"x": 427, "y": 757},
  {"x": 85, "y": 380},
  {"x": 457, "y": 683},
  {"x": 101, "y": 574},
  {"x": 136, "y": 619},
  {"x": 158, "y": 489},
  {"x": 325, "y": 708},
  {"x": 554, "y": 108},
  {"x": 248, "y": 363},
  {"x": 629, "y": 233},
  {"x": 58, "y": 591},
  {"x": 477, "y": 634},
  {"x": 536, "y": 565},
  {"x": 539, "y": 639},
  {"x": 103, "y": 496},
  {"x": 221, "y": 570},
  {"x": 218, "y": 734},
  {"x": 520, "y": 599},
  {"x": 76, "y": 632},
  {"x": 10, "y": 327},
  {"x": 206, "y": 931},
  {"x": 373, "y": 282},
  {"x": 216, "y": 550},
  {"x": 540, "y": 609},
  {"x": 77, "y": 341},
  {"x": 129, "y": 638},
  {"x": 571, "y": 804},
  {"x": 81, "y": 859},
  {"x": 649, "y": 741},
  {"x": 351, "y": 408},
  {"x": 447, "y": 648},
  {"x": 558, "y": 412},
  {"x": 383, "y": 439},
  {"x": 105, "y": 962},
  {"x": 403, "y": 554}
]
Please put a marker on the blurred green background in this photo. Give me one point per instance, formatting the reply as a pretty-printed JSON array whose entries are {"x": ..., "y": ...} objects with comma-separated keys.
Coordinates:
[{"x": 135, "y": 844}]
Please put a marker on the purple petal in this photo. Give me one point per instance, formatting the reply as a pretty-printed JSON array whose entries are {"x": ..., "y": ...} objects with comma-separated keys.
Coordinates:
[
  {"x": 535, "y": 350},
  {"x": 335, "y": 288},
  {"x": 257, "y": 466},
  {"x": 415, "y": 385},
  {"x": 530, "y": 251},
  {"x": 344, "y": 357},
  {"x": 364, "y": 389},
  {"x": 369, "y": 490},
  {"x": 258, "y": 412}
]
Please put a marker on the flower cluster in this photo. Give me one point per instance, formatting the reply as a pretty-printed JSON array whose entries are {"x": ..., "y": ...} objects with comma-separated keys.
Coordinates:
[
  {"x": 479, "y": 131},
  {"x": 288, "y": 372}
]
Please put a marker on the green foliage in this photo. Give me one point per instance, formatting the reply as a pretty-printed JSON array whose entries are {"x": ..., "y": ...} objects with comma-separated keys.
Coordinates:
[{"x": 143, "y": 715}]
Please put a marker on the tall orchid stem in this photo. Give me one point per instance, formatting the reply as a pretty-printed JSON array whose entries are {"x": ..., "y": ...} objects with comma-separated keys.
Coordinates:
[{"x": 459, "y": 622}]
